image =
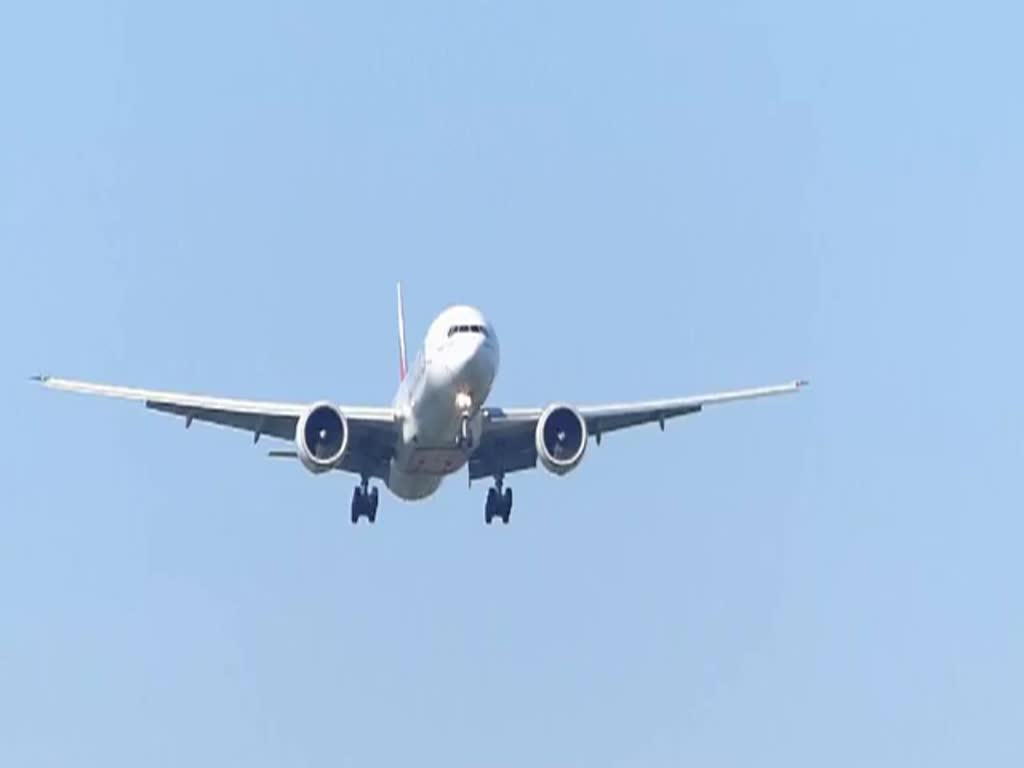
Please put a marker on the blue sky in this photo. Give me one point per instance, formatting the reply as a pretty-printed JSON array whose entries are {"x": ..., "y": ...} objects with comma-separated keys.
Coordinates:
[{"x": 647, "y": 199}]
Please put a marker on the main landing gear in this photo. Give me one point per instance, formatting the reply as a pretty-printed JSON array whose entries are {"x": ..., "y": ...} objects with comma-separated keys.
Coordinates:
[
  {"x": 499, "y": 503},
  {"x": 364, "y": 502}
]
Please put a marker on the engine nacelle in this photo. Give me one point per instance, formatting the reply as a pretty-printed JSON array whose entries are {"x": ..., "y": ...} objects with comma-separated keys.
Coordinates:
[
  {"x": 321, "y": 437},
  {"x": 561, "y": 438}
]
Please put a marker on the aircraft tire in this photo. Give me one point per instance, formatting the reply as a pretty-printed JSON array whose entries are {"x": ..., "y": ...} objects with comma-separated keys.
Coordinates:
[
  {"x": 371, "y": 505},
  {"x": 506, "y": 506},
  {"x": 358, "y": 505},
  {"x": 490, "y": 506}
]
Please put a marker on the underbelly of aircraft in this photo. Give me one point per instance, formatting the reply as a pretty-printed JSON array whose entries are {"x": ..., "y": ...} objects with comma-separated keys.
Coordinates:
[
  {"x": 420, "y": 472},
  {"x": 412, "y": 486},
  {"x": 425, "y": 458}
]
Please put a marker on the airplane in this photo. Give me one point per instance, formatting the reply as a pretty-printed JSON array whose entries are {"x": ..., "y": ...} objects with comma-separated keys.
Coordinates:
[{"x": 438, "y": 423}]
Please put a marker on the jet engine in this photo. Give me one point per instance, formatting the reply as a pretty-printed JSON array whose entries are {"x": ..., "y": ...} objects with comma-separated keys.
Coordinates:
[
  {"x": 561, "y": 439},
  {"x": 321, "y": 438}
]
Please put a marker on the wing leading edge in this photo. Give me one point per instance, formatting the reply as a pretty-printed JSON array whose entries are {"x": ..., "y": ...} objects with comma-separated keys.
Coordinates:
[
  {"x": 508, "y": 441},
  {"x": 372, "y": 430}
]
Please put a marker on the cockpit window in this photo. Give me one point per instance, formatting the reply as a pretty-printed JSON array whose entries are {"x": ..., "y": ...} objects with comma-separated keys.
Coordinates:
[{"x": 481, "y": 329}]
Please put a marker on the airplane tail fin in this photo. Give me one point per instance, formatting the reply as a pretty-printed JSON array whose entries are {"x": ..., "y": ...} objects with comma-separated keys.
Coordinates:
[{"x": 403, "y": 366}]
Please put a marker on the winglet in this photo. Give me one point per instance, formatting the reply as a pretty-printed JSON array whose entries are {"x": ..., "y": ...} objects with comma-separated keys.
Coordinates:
[{"x": 403, "y": 366}]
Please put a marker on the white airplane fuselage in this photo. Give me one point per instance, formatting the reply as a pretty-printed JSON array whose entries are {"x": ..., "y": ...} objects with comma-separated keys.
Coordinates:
[{"x": 447, "y": 384}]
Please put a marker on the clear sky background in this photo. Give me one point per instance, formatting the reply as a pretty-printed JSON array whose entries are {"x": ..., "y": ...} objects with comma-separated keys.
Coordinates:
[{"x": 648, "y": 199}]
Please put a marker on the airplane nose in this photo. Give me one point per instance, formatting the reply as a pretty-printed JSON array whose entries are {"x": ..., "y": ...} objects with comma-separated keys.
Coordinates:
[
  {"x": 464, "y": 356},
  {"x": 469, "y": 364}
]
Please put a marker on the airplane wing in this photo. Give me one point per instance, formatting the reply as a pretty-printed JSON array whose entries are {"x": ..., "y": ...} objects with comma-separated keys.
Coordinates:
[
  {"x": 507, "y": 444},
  {"x": 372, "y": 431}
]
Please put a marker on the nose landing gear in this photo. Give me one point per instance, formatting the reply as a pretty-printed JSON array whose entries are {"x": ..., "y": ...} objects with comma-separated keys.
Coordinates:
[
  {"x": 465, "y": 439},
  {"x": 364, "y": 502},
  {"x": 464, "y": 403},
  {"x": 498, "y": 504}
]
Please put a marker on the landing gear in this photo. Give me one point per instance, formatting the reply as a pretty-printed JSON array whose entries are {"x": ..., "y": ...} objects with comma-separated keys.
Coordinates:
[
  {"x": 465, "y": 439},
  {"x": 498, "y": 504},
  {"x": 364, "y": 502}
]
